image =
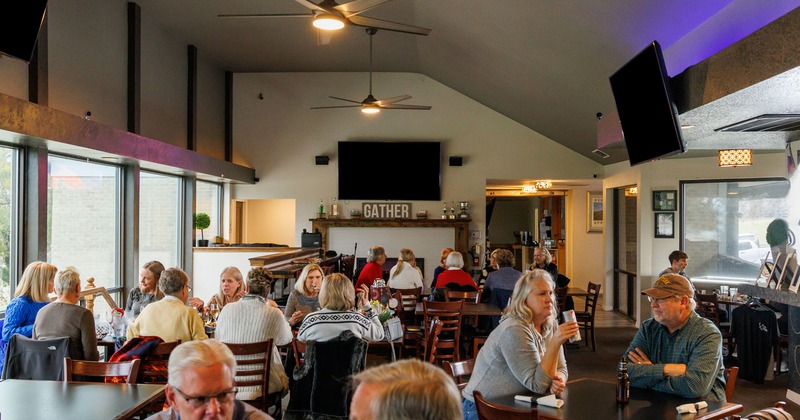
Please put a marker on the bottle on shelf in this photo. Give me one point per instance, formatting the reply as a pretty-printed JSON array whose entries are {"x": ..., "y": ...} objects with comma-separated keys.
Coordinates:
[
  {"x": 321, "y": 211},
  {"x": 623, "y": 382},
  {"x": 334, "y": 209},
  {"x": 444, "y": 210},
  {"x": 452, "y": 210}
]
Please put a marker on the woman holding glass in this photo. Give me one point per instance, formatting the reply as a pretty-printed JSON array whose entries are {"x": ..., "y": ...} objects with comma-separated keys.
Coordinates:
[
  {"x": 304, "y": 299},
  {"x": 30, "y": 296},
  {"x": 524, "y": 353},
  {"x": 147, "y": 292}
]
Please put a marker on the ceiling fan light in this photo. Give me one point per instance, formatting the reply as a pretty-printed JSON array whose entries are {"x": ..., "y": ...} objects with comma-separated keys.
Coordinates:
[
  {"x": 328, "y": 22},
  {"x": 370, "y": 109}
]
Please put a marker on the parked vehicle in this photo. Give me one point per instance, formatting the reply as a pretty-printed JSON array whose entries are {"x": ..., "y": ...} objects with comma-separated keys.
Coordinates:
[{"x": 750, "y": 251}]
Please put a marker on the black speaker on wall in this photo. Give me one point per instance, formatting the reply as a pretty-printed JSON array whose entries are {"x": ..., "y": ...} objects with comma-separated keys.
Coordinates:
[
  {"x": 456, "y": 161},
  {"x": 321, "y": 160}
]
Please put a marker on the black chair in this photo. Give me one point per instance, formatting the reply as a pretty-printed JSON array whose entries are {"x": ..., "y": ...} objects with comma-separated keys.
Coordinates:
[
  {"x": 35, "y": 359},
  {"x": 586, "y": 318}
]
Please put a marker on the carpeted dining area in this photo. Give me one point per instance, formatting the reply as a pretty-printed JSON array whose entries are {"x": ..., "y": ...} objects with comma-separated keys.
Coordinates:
[{"x": 613, "y": 341}]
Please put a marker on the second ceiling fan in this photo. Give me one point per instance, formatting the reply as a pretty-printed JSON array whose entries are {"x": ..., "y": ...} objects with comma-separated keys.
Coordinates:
[{"x": 370, "y": 105}]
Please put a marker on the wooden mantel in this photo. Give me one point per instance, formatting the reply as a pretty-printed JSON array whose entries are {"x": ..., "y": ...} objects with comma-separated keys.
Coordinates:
[{"x": 461, "y": 227}]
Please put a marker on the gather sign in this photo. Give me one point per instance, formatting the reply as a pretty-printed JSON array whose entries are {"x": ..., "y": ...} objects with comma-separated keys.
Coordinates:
[{"x": 386, "y": 210}]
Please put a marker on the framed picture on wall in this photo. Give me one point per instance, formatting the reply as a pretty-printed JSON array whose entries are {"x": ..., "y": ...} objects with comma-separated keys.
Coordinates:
[
  {"x": 666, "y": 200},
  {"x": 594, "y": 212},
  {"x": 665, "y": 225}
]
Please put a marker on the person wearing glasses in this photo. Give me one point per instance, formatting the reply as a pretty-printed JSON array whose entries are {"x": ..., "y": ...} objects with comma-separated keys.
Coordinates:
[
  {"x": 201, "y": 384},
  {"x": 677, "y": 351},
  {"x": 170, "y": 318}
]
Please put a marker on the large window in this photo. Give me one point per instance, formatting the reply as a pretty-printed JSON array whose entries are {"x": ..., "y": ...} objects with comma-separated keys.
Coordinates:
[
  {"x": 83, "y": 216},
  {"x": 725, "y": 225},
  {"x": 9, "y": 194},
  {"x": 207, "y": 201},
  {"x": 159, "y": 218}
]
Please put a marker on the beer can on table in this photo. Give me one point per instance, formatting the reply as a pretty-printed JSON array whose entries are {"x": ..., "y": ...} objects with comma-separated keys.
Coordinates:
[{"x": 569, "y": 316}]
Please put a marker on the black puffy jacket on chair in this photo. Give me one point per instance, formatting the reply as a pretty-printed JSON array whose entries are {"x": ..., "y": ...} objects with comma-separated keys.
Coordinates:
[{"x": 35, "y": 359}]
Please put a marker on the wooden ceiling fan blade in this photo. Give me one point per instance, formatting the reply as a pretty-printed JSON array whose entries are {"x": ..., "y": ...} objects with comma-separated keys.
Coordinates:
[
  {"x": 268, "y": 15},
  {"x": 336, "y": 106},
  {"x": 358, "y": 6},
  {"x": 417, "y": 107},
  {"x": 346, "y": 100},
  {"x": 368, "y": 22},
  {"x": 392, "y": 100}
]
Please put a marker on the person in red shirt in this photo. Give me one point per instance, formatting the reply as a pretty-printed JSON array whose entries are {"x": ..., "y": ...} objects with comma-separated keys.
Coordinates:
[
  {"x": 374, "y": 268},
  {"x": 454, "y": 277}
]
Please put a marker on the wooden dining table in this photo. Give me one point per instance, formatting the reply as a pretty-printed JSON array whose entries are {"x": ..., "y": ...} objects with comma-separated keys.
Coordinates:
[
  {"x": 591, "y": 398},
  {"x": 577, "y": 291},
  {"x": 33, "y": 400}
]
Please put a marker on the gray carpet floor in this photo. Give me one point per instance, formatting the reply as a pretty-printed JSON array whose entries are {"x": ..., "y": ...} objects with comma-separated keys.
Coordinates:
[{"x": 612, "y": 342}]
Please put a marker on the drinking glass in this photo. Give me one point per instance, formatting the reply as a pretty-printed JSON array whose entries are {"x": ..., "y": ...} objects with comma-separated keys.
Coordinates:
[
  {"x": 213, "y": 310},
  {"x": 723, "y": 290},
  {"x": 734, "y": 291}
]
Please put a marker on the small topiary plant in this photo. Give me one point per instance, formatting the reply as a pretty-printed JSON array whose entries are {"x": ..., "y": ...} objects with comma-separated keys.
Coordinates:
[{"x": 202, "y": 221}]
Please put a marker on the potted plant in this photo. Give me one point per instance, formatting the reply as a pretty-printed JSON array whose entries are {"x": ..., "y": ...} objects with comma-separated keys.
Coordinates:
[{"x": 202, "y": 221}]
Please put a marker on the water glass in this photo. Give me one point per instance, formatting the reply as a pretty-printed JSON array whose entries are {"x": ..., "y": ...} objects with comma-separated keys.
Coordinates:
[
  {"x": 734, "y": 291},
  {"x": 723, "y": 290}
]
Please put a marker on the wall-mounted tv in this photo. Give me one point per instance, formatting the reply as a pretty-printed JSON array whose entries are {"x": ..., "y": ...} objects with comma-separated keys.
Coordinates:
[
  {"x": 647, "y": 113},
  {"x": 371, "y": 170},
  {"x": 20, "y": 28}
]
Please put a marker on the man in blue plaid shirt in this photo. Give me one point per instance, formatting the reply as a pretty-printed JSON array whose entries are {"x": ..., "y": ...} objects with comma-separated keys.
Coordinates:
[{"x": 677, "y": 351}]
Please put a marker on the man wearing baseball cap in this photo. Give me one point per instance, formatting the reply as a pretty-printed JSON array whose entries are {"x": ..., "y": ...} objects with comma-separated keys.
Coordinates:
[{"x": 677, "y": 351}]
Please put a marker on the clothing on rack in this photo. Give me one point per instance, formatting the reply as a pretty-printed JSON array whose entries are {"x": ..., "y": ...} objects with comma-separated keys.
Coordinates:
[{"x": 755, "y": 332}]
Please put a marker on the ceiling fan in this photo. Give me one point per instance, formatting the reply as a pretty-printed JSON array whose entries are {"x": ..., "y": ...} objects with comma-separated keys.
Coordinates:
[
  {"x": 329, "y": 15},
  {"x": 370, "y": 105}
]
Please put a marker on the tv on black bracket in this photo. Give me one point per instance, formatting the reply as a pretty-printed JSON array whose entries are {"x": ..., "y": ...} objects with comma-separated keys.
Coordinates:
[
  {"x": 390, "y": 170},
  {"x": 647, "y": 113},
  {"x": 20, "y": 29}
]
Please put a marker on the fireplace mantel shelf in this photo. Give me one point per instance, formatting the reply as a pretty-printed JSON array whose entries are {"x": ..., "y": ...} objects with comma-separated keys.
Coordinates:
[{"x": 461, "y": 227}]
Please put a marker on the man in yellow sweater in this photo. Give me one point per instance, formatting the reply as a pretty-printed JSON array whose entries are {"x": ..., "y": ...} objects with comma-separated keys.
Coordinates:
[{"x": 170, "y": 318}]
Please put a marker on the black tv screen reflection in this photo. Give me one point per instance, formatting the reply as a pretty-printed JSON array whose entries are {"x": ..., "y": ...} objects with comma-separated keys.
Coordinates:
[
  {"x": 389, "y": 170},
  {"x": 647, "y": 114}
]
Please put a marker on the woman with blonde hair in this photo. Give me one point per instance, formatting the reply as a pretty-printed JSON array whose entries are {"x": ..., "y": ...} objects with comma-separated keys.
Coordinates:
[
  {"x": 337, "y": 298},
  {"x": 147, "y": 292},
  {"x": 542, "y": 259},
  {"x": 304, "y": 299},
  {"x": 30, "y": 296},
  {"x": 524, "y": 353},
  {"x": 231, "y": 287},
  {"x": 405, "y": 274}
]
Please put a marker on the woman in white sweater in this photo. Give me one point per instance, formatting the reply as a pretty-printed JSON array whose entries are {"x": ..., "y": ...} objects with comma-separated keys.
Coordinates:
[
  {"x": 405, "y": 274},
  {"x": 251, "y": 319},
  {"x": 337, "y": 298}
]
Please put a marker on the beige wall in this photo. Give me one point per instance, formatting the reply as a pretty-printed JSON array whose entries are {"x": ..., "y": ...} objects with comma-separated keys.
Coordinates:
[{"x": 270, "y": 221}]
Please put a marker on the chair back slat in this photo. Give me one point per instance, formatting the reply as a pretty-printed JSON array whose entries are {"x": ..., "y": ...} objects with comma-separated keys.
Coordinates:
[
  {"x": 155, "y": 368},
  {"x": 449, "y": 313},
  {"x": 257, "y": 365},
  {"x": 490, "y": 411},
  {"x": 432, "y": 340},
  {"x": 460, "y": 371},
  {"x": 129, "y": 369}
]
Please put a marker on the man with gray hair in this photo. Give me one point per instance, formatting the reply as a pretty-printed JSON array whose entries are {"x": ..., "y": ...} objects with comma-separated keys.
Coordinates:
[
  {"x": 64, "y": 318},
  {"x": 406, "y": 389},
  {"x": 170, "y": 318},
  {"x": 201, "y": 385},
  {"x": 677, "y": 351}
]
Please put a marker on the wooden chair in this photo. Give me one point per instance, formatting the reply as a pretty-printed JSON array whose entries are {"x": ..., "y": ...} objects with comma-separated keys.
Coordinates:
[
  {"x": 299, "y": 349},
  {"x": 489, "y": 411},
  {"x": 586, "y": 317},
  {"x": 477, "y": 343},
  {"x": 708, "y": 307},
  {"x": 253, "y": 363},
  {"x": 347, "y": 263},
  {"x": 730, "y": 381},
  {"x": 407, "y": 299},
  {"x": 460, "y": 371},
  {"x": 450, "y": 315},
  {"x": 129, "y": 370},
  {"x": 432, "y": 340},
  {"x": 469, "y": 328},
  {"x": 561, "y": 300},
  {"x": 154, "y": 369},
  {"x": 776, "y": 412}
]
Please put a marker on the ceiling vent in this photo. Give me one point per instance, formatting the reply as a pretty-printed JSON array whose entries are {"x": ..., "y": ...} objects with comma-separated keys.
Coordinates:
[
  {"x": 600, "y": 153},
  {"x": 766, "y": 122}
]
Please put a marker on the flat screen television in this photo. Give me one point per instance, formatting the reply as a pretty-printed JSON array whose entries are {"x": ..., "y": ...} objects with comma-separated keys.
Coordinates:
[
  {"x": 647, "y": 113},
  {"x": 20, "y": 29},
  {"x": 371, "y": 170}
]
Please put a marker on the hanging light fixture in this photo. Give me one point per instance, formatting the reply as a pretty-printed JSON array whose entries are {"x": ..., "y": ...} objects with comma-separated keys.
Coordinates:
[
  {"x": 370, "y": 109},
  {"x": 543, "y": 185},
  {"x": 328, "y": 22},
  {"x": 735, "y": 157}
]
